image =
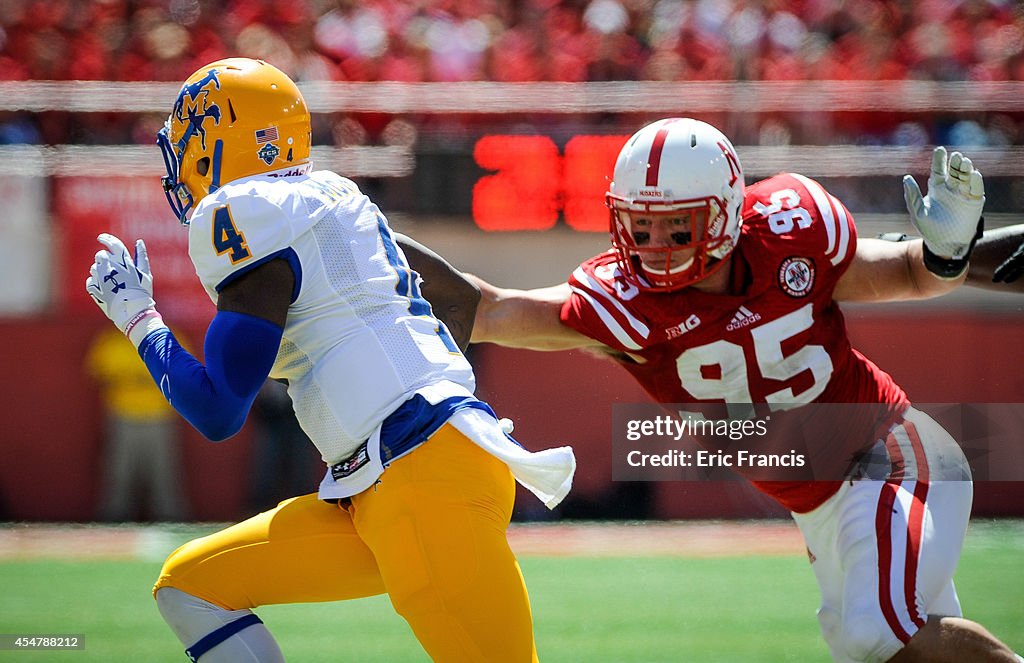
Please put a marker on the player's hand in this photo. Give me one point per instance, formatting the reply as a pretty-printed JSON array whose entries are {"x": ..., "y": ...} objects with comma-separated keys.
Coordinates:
[
  {"x": 948, "y": 217},
  {"x": 122, "y": 286},
  {"x": 1012, "y": 268}
]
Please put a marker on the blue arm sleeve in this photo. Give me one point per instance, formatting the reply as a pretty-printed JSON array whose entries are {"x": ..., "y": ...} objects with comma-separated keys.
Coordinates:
[{"x": 240, "y": 350}]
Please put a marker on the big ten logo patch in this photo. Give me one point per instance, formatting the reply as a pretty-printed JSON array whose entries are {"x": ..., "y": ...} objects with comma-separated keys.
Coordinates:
[{"x": 533, "y": 183}]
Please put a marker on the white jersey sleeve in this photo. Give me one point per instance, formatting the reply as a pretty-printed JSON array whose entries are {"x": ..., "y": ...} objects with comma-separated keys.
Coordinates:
[{"x": 243, "y": 225}]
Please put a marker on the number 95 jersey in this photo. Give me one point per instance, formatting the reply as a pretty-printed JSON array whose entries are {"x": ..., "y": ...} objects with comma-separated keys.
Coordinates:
[
  {"x": 360, "y": 339},
  {"x": 778, "y": 338}
]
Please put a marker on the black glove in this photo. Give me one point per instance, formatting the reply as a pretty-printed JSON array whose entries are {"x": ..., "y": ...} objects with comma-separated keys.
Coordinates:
[{"x": 1011, "y": 268}]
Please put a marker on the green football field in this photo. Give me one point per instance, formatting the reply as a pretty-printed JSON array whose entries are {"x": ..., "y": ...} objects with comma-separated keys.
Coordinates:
[{"x": 589, "y": 606}]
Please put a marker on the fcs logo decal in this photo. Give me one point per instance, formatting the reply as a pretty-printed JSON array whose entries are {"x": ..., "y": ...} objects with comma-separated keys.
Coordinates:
[
  {"x": 268, "y": 153},
  {"x": 193, "y": 104}
]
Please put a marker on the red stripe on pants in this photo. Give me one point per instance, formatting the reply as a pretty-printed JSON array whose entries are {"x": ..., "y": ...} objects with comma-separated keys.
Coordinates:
[
  {"x": 883, "y": 526},
  {"x": 916, "y": 524}
]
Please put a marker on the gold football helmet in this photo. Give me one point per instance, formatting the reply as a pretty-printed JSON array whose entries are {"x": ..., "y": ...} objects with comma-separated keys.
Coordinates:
[{"x": 233, "y": 118}]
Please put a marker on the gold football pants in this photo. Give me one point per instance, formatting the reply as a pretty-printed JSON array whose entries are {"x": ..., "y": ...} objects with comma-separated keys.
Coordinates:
[{"x": 431, "y": 534}]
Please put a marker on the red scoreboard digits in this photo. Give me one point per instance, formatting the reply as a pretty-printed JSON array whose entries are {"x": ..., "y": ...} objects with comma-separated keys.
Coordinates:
[
  {"x": 533, "y": 182},
  {"x": 524, "y": 193}
]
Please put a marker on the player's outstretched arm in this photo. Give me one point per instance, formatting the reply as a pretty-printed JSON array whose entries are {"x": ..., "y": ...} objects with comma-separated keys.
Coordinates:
[
  {"x": 888, "y": 271},
  {"x": 453, "y": 298},
  {"x": 949, "y": 216},
  {"x": 998, "y": 260},
  {"x": 241, "y": 342},
  {"x": 525, "y": 318},
  {"x": 949, "y": 220}
]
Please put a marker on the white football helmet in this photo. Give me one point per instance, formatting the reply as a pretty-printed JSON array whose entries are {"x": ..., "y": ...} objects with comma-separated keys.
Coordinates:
[{"x": 686, "y": 171}]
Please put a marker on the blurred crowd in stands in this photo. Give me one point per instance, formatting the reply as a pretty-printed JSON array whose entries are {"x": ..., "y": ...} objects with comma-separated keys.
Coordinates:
[
  {"x": 520, "y": 40},
  {"x": 513, "y": 40}
]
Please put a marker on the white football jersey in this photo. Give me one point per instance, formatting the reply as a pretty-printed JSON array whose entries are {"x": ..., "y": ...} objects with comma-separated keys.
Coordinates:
[{"x": 360, "y": 339}]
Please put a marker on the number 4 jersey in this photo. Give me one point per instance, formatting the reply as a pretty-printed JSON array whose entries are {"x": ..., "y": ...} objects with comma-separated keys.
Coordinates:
[
  {"x": 359, "y": 340},
  {"x": 781, "y": 341}
]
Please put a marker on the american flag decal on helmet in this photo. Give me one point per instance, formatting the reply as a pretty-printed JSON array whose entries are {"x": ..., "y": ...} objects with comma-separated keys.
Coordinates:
[{"x": 266, "y": 135}]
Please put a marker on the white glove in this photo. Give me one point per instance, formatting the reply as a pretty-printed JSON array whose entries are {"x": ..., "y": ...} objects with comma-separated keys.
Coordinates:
[
  {"x": 123, "y": 287},
  {"x": 506, "y": 425},
  {"x": 948, "y": 216}
]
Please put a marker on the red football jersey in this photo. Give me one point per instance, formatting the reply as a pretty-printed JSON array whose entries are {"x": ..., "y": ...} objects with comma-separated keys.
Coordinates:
[{"x": 782, "y": 341}]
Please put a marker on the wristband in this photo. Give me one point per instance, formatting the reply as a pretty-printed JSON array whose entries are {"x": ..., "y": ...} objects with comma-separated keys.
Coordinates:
[
  {"x": 947, "y": 269},
  {"x": 951, "y": 268},
  {"x": 141, "y": 324}
]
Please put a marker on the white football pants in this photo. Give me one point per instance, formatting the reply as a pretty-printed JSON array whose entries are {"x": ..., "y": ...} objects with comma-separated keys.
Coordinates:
[{"x": 884, "y": 550}]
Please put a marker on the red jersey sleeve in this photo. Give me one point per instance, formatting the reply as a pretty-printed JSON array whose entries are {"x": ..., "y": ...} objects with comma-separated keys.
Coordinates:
[
  {"x": 599, "y": 305},
  {"x": 811, "y": 222}
]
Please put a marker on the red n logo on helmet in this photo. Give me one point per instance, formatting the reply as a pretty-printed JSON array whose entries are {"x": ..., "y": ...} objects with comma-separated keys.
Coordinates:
[{"x": 734, "y": 162}]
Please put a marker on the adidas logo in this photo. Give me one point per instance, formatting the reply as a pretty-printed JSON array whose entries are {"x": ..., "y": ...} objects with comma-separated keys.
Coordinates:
[{"x": 743, "y": 318}]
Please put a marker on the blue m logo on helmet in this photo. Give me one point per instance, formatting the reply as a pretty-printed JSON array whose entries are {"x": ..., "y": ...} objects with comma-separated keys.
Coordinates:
[
  {"x": 191, "y": 109},
  {"x": 193, "y": 104}
]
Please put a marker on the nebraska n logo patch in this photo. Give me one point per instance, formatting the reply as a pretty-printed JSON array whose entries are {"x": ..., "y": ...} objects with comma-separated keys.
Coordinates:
[{"x": 796, "y": 276}]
